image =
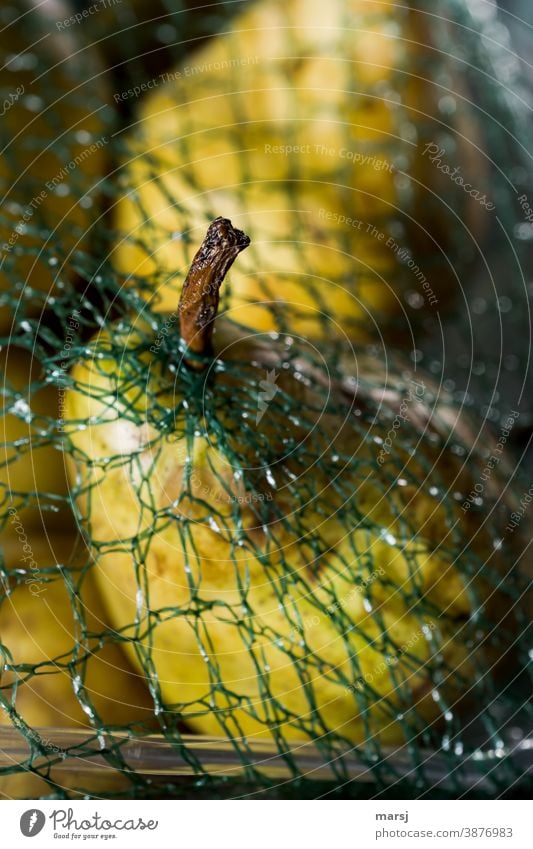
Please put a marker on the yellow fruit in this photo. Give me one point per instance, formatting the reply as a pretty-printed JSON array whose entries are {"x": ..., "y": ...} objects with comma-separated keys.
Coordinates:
[
  {"x": 33, "y": 479},
  {"x": 38, "y": 629},
  {"x": 53, "y": 135},
  {"x": 228, "y": 526},
  {"x": 306, "y": 124}
]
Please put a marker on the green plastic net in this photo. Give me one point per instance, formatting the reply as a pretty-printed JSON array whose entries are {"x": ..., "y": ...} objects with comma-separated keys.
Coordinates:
[{"x": 282, "y": 549}]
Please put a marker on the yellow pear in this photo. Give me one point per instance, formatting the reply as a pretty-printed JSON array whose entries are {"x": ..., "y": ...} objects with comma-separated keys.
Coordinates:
[
  {"x": 40, "y": 635},
  {"x": 308, "y": 123},
  {"x": 54, "y": 134},
  {"x": 278, "y": 570},
  {"x": 33, "y": 478}
]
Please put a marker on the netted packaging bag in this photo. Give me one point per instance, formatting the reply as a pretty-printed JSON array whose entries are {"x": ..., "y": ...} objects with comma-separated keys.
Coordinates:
[
  {"x": 272, "y": 533},
  {"x": 285, "y": 535}
]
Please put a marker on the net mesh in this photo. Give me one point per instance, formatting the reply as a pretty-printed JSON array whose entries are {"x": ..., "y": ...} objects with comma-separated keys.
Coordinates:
[{"x": 297, "y": 565}]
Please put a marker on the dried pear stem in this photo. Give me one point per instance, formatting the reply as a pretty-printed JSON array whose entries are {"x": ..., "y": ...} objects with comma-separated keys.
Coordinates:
[{"x": 198, "y": 304}]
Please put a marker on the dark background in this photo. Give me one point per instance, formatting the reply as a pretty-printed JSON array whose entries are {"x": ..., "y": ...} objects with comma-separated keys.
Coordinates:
[{"x": 521, "y": 30}]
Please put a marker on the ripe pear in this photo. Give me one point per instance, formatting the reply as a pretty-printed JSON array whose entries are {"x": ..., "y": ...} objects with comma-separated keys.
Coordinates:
[
  {"x": 54, "y": 130},
  {"x": 33, "y": 477},
  {"x": 307, "y": 123},
  {"x": 40, "y": 635},
  {"x": 279, "y": 568}
]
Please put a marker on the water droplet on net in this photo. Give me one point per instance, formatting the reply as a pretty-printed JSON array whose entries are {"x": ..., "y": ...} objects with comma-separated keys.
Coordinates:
[
  {"x": 482, "y": 10},
  {"x": 22, "y": 409},
  {"x": 414, "y": 300},
  {"x": 401, "y": 162},
  {"x": 397, "y": 229},
  {"x": 447, "y": 105},
  {"x": 510, "y": 362},
  {"x": 505, "y": 304},
  {"x": 516, "y": 733},
  {"x": 33, "y": 103},
  {"x": 427, "y": 631},
  {"x": 166, "y": 33},
  {"x": 524, "y": 231},
  {"x": 479, "y": 306},
  {"x": 213, "y": 525},
  {"x": 21, "y": 62},
  {"x": 83, "y": 137}
]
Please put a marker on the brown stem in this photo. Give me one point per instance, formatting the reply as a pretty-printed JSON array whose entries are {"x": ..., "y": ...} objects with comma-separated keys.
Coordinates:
[{"x": 198, "y": 304}]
